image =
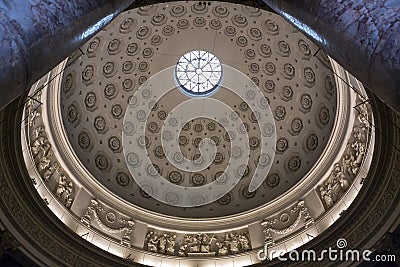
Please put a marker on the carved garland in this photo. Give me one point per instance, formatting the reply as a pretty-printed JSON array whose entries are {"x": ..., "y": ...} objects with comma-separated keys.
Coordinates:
[
  {"x": 269, "y": 225},
  {"x": 94, "y": 208}
]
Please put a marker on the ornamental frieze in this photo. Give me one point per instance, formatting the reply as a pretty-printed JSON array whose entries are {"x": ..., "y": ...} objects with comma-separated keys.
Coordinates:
[
  {"x": 345, "y": 171},
  {"x": 43, "y": 157},
  {"x": 197, "y": 245}
]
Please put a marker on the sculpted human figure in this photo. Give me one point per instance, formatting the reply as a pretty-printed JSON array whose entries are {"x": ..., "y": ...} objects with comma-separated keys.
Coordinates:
[
  {"x": 38, "y": 132},
  {"x": 170, "y": 250},
  {"x": 205, "y": 244},
  {"x": 44, "y": 161},
  {"x": 32, "y": 116},
  {"x": 326, "y": 195},
  {"x": 182, "y": 250},
  {"x": 49, "y": 171},
  {"x": 66, "y": 196},
  {"x": 359, "y": 149},
  {"x": 234, "y": 244},
  {"x": 222, "y": 249},
  {"x": 194, "y": 246},
  {"x": 162, "y": 243},
  {"x": 212, "y": 243},
  {"x": 244, "y": 242},
  {"x": 62, "y": 185},
  {"x": 334, "y": 182},
  {"x": 152, "y": 242},
  {"x": 39, "y": 142}
]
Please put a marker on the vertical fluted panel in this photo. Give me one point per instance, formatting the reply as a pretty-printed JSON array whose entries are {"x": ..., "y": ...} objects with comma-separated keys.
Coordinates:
[
  {"x": 362, "y": 35},
  {"x": 35, "y": 35}
]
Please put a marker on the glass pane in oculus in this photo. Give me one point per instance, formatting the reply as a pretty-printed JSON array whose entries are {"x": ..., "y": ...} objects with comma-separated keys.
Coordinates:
[{"x": 198, "y": 73}]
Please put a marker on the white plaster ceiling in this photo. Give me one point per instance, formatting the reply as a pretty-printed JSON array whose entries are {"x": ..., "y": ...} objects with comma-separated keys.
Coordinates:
[{"x": 139, "y": 43}]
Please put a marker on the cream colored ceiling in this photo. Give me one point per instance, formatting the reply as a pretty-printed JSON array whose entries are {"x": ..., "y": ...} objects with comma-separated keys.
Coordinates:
[{"x": 300, "y": 87}]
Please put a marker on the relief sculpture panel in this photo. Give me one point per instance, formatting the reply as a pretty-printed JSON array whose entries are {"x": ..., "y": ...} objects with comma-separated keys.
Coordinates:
[
  {"x": 200, "y": 244},
  {"x": 345, "y": 171},
  {"x": 46, "y": 164}
]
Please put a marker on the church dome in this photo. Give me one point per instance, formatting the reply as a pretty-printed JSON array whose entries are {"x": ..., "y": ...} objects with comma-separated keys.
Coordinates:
[{"x": 144, "y": 127}]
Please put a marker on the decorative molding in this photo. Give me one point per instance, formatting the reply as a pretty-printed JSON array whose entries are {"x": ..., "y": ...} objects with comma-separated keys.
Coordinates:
[
  {"x": 47, "y": 165},
  {"x": 345, "y": 171},
  {"x": 197, "y": 245},
  {"x": 92, "y": 213},
  {"x": 271, "y": 225},
  {"x": 162, "y": 243}
]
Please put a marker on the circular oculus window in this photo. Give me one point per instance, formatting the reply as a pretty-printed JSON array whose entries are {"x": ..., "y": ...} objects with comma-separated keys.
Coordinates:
[{"x": 198, "y": 73}]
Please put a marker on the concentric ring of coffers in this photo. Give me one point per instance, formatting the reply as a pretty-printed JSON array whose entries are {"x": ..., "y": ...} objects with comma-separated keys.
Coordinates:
[{"x": 298, "y": 87}]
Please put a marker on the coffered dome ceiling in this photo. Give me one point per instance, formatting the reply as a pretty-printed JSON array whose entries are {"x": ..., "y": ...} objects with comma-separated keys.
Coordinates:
[
  {"x": 298, "y": 84},
  {"x": 89, "y": 116}
]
